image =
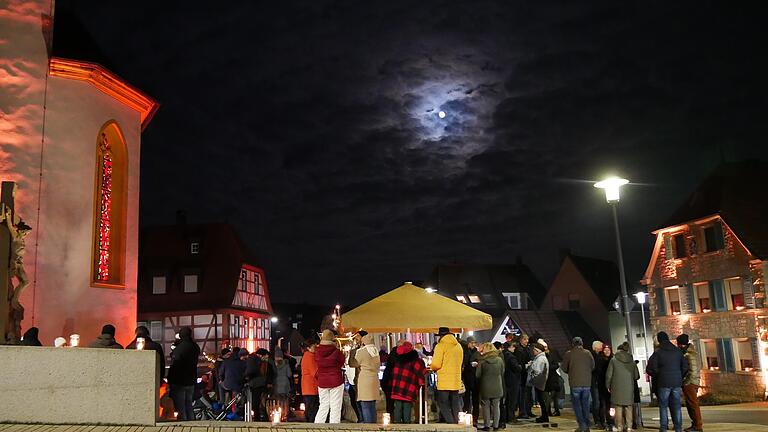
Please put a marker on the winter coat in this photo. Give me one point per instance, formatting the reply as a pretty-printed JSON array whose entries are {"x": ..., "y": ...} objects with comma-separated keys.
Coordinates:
[
  {"x": 232, "y": 373},
  {"x": 469, "y": 372},
  {"x": 30, "y": 337},
  {"x": 490, "y": 375},
  {"x": 308, "y": 374},
  {"x": 524, "y": 354},
  {"x": 538, "y": 372},
  {"x": 105, "y": 340},
  {"x": 149, "y": 344},
  {"x": 604, "y": 361},
  {"x": 408, "y": 372},
  {"x": 553, "y": 378},
  {"x": 183, "y": 371},
  {"x": 447, "y": 362},
  {"x": 258, "y": 372},
  {"x": 579, "y": 364},
  {"x": 368, "y": 377},
  {"x": 283, "y": 378},
  {"x": 694, "y": 367},
  {"x": 600, "y": 365},
  {"x": 329, "y": 363},
  {"x": 620, "y": 378},
  {"x": 512, "y": 370},
  {"x": 667, "y": 366}
]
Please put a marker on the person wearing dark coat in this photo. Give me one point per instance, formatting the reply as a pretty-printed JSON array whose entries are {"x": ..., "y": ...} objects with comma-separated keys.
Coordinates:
[
  {"x": 524, "y": 354},
  {"x": 182, "y": 375},
  {"x": 605, "y": 396},
  {"x": 468, "y": 377},
  {"x": 30, "y": 337},
  {"x": 149, "y": 344},
  {"x": 106, "y": 339},
  {"x": 512, "y": 373},
  {"x": 598, "y": 409},
  {"x": 260, "y": 375},
  {"x": 667, "y": 366},
  {"x": 232, "y": 373},
  {"x": 553, "y": 383}
]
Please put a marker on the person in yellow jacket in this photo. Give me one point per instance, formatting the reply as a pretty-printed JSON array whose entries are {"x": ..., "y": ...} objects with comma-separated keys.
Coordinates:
[{"x": 447, "y": 361}]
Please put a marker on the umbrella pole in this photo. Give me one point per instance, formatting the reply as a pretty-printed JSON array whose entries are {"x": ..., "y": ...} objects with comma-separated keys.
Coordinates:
[{"x": 421, "y": 407}]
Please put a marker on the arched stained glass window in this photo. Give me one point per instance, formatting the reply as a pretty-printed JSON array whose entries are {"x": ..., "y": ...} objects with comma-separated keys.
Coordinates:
[{"x": 109, "y": 208}]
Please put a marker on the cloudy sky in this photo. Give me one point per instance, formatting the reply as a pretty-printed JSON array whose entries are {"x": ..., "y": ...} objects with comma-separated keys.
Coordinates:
[{"x": 313, "y": 126}]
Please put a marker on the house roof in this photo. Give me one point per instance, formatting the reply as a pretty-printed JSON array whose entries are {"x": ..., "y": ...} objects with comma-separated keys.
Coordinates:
[
  {"x": 736, "y": 192},
  {"x": 488, "y": 281},
  {"x": 601, "y": 275},
  {"x": 165, "y": 250}
]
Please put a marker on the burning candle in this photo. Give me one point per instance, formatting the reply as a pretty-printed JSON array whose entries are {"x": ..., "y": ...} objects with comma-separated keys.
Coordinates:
[
  {"x": 612, "y": 412},
  {"x": 139, "y": 343},
  {"x": 461, "y": 417},
  {"x": 74, "y": 340},
  {"x": 468, "y": 419},
  {"x": 276, "y": 416},
  {"x": 385, "y": 418},
  {"x": 302, "y": 406}
]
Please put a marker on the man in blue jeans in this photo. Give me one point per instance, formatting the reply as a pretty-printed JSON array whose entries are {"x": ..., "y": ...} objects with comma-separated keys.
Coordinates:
[
  {"x": 579, "y": 363},
  {"x": 667, "y": 367}
]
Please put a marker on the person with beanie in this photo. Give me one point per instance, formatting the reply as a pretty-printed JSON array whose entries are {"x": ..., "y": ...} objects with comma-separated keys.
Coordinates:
[
  {"x": 31, "y": 337},
  {"x": 620, "y": 379},
  {"x": 259, "y": 372},
  {"x": 490, "y": 382},
  {"x": 667, "y": 367},
  {"x": 367, "y": 357},
  {"x": 309, "y": 380},
  {"x": 579, "y": 364},
  {"x": 149, "y": 344},
  {"x": 471, "y": 398},
  {"x": 691, "y": 382},
  {"x": 283, "y": 381},
  {"x": 232, "y": 373},
  {"x": 537, "y": 378},
  {"x": 182, "y": 375},
  {"x": 447, "y": 362},
  {"x": 106, "y": 339},
  {"x": 408, "y": 372},
  {"x": 330, "y": 381}
]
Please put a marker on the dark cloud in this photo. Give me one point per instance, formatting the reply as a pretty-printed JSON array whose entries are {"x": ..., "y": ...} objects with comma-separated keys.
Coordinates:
[{"x": 313, "y": 127}]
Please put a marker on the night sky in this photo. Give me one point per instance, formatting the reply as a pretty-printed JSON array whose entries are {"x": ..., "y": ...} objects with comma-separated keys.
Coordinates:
[{"x": 313, "y": 126}]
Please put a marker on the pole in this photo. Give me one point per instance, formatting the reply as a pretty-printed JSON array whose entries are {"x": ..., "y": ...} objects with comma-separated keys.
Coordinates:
[
  {"x": 647, "y": 353},
  {"x": 624, "y": 296}
]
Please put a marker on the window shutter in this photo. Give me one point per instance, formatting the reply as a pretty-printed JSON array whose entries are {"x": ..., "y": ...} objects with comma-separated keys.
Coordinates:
[
  {"x": 749, "y": 292},
  {"x": 717, "y": 295},
  {"x": 687, "y": 302},
  {"x": 661, "y": 302},
  {"x": 719, "y": 237},
  {"x": 668, "y": 252},
  {"x": 730, "y": 365},
  {"x": 755, "y": 353}
]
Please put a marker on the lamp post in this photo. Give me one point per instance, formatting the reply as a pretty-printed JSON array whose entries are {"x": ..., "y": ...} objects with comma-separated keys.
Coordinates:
[
  {"x": 611, "y": 187},
  {"x": 641, "y": 297}
]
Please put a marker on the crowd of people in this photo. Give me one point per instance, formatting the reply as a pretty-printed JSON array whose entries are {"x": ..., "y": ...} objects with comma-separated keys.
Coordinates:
[{"x": 500, "y": 382}]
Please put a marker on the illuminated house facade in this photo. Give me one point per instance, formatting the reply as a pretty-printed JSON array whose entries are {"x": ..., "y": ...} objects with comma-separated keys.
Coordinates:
[
  {"x": 706, "y": 278},
  {"x": 202, "y": 276},
  {"x": 70, "y": 137}
]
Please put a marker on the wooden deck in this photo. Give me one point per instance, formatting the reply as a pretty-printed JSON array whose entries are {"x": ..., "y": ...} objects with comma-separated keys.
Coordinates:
[{"x": 233, "y": 427}]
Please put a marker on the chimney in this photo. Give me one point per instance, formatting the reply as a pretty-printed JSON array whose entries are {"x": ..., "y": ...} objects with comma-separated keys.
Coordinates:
[
  {"x": 181, "y": 217},
  {"x": 564, "y": 252}
]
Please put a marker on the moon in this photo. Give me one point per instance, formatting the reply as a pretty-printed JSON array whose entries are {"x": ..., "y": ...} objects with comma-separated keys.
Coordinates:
[{"x": 441, "y": 114}]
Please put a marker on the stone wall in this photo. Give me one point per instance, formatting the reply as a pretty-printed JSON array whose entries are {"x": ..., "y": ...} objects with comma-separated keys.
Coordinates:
[{"x": 78, "y": 386}]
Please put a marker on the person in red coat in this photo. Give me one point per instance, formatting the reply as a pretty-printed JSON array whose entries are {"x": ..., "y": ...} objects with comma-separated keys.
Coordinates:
[
  {"x": 330, "y": 382},
  {"x": 408, "y": 372}
]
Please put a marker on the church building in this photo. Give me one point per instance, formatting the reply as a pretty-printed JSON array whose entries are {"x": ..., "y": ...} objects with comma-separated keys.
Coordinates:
[{"x": 70, "y": 139}]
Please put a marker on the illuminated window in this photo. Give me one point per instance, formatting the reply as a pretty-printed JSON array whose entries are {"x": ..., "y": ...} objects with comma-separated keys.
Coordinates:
[
  {"x": 194, "y": 248},
  {"x": 745, "y": 361},
  {"x": 461, "y": 298},
  {"x": 673, "y": 300},
  {"x": 513, "y": 300},
  {"x": 109, "y": 207},
  {"x": 190, "y": 283},
  {"x": 710, "y": 353},
  {"x": 702, "y": 294},
  {"x": 735, "y": 292},
  {"x": 474, "y": 298},
  {"x": 158, "y": 285},
  {"x": 243, "y": 284},
  {"x": 259, "y": 285}
]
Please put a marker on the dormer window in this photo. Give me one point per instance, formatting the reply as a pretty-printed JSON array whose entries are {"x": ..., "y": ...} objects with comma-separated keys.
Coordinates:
[
  {"x": 461, "y": 298},
  {"x": 194, "y": 248},
  {"x": 474, "y": 298},
  {"x": 513, "y": 300}
]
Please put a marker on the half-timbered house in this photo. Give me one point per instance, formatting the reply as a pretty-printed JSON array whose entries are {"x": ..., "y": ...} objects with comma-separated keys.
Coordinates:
[{"x": 202, "y": 276}]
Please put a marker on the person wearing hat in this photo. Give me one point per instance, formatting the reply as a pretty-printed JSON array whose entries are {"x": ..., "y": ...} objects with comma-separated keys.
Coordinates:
[
  {"x": 447, "y": 361},
  {"x": 537, "y": 378},
  {"x": 408, "y": 372},
  {"x": 283, "y": 381},
  {"x": 330, "y": 382},
  {"x": 620, "y": 379},
  {"x": 667, "y": 367},
  {"x": 182, "y": 376},
  {"x": 490, "y": 374},
  {"x": 106, "y": 339},
  {"x": 691, "y": 382},
  {"x": 471, "y": 398},
  {"x": 579, "y": 363}
]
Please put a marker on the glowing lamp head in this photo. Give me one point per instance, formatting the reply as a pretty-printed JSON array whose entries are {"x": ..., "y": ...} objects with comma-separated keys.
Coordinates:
[
  {"x": 273, "y": 319},
  {"x": 641, "y": 297},
  {"x": 441, "y": 114},
  {"x": 430, "y": 290},
  {"x": 611, "y": 186}
]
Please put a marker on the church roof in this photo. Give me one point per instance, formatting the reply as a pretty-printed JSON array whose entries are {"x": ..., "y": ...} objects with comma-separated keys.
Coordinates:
[{"x": 736, "y": 192}]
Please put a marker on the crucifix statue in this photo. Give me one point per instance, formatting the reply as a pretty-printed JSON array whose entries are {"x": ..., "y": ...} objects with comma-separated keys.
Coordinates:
[{"x": 13, "y": 233}]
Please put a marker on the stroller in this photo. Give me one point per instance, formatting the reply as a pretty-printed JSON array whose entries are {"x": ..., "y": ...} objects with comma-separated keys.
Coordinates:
[{"x": 237, "y": 409}]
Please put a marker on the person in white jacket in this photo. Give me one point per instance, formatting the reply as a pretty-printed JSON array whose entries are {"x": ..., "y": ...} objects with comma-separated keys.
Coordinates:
[{"x": 537, "y": 378}]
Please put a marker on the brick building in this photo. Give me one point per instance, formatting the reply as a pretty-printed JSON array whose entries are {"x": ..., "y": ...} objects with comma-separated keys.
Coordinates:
[{"x": 706, "y": 278}]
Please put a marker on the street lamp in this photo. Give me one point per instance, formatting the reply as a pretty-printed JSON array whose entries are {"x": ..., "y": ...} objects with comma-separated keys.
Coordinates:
[
  {"x": 611, "y": 187},
  {"x": 641, "y": 297}
]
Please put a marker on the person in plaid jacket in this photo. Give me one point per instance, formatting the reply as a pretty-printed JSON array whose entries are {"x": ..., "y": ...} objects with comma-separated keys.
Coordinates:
[{"x": 407, "y": 377}]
